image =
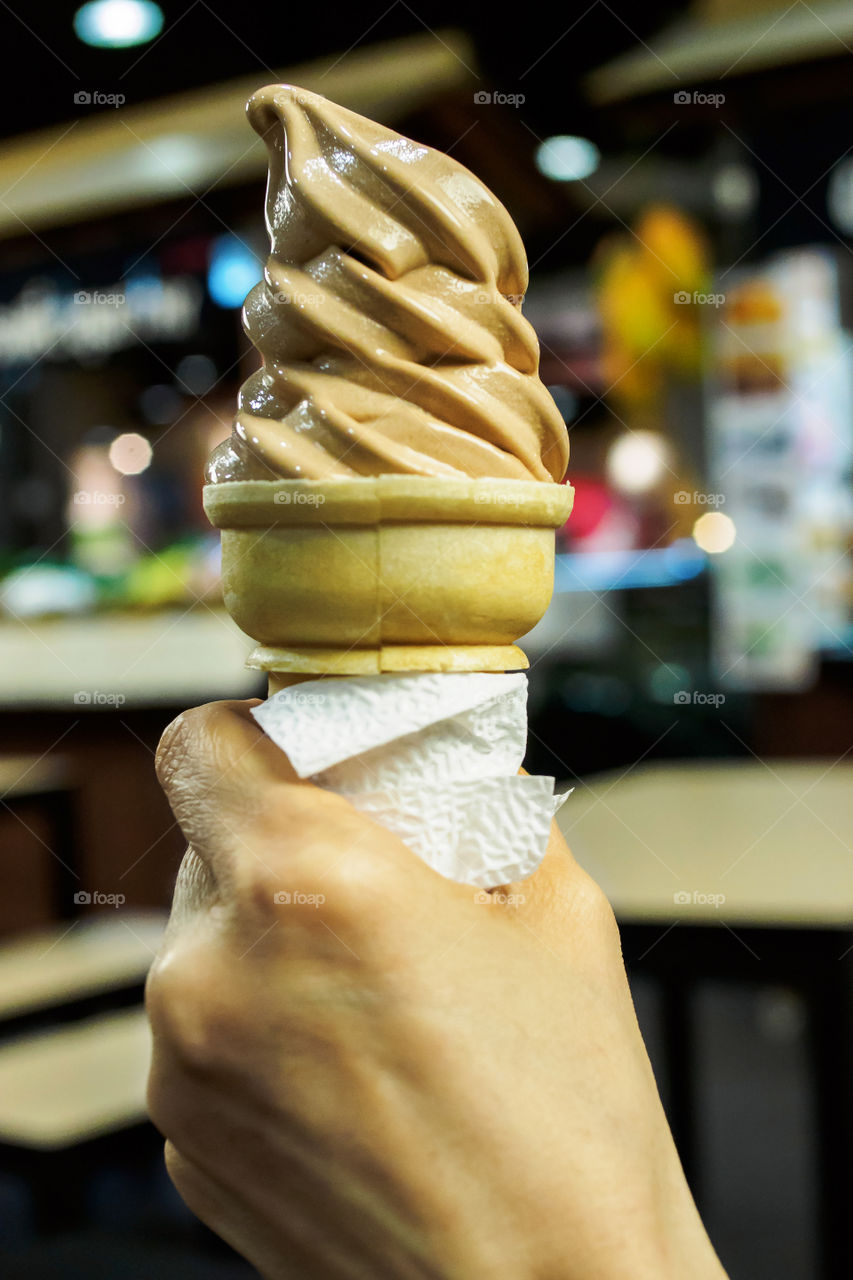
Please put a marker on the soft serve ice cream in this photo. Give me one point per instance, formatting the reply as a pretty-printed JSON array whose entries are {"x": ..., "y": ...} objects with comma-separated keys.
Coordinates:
[{"x": 389, "y": 317}]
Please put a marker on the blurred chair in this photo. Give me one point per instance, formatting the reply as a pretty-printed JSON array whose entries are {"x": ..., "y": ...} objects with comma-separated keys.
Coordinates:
[
  {"x": 43, "y": 785},
  {"x": 712, "y": 868},
  {"x": 65, "y": 970},
  {"x": 63, "y": 1095},
  {"x": 74, "y": 1057}
]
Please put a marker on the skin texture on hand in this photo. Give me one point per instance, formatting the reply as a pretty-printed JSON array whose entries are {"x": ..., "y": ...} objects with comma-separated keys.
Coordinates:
[{"x": 363, "y": 1071}]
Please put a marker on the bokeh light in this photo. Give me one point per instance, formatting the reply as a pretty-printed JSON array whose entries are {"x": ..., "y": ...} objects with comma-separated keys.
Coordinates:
[
  {"x": 130, "y": 453},
  {"x": 714, "y": 532},
  {"x": 118, "y": 24},
  {"x": 638, "y": 461},
  {"x": 566, "y": 158}
]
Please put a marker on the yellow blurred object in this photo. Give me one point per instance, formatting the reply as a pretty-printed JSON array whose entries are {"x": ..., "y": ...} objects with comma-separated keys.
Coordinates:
[
  {"x": 675, "y": 249},
  {"x": 632, "y": 306},
  {"x": 649, "y": 291},
  {"x": 629, "y": 377},
  {"x": 684, "y": 343}
]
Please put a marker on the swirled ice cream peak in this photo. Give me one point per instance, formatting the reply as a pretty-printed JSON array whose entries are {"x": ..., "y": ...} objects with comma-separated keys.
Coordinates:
[{"x": 389, "y": 316}]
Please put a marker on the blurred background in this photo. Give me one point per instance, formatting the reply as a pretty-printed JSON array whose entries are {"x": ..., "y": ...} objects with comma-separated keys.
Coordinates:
[{"x": 683, "y": 180}]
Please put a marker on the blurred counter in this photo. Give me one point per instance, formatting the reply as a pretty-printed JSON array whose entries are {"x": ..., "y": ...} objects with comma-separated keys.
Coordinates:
[{"x": 123, "y": 660}]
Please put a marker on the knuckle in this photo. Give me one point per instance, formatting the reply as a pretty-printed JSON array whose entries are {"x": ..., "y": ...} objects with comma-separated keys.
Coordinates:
[
  {"x": 356, "y": 885},
  {"x": 188, "y": 1016},
  {"x": 313, "y": 843},
  {"x": 260, "y": 888}
]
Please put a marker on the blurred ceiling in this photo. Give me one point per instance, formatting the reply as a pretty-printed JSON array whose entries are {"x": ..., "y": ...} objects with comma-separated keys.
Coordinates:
[
  {"x": 207, "y": 41},
  {"x": 719, "y": 40},
  {"x": 196, "y": 141},
  {"x": 608, "y": 71}
]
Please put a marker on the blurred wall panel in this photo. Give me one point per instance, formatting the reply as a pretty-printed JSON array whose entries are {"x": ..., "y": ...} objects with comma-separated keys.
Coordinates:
[
  {"x": 125, "y": 839},
  {"x": 27, "y": 880}
]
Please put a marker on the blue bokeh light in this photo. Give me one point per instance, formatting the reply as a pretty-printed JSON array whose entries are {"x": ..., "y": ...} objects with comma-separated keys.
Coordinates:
[
  {"x": 118, "y": 24},
  {"x": 233, "y": 270}
]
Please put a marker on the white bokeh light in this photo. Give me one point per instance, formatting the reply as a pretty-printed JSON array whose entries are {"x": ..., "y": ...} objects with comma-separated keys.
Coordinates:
[
  {"x": 713, "y": 532},
  {"x": 638, "y": 461},
  {"x": 130, "y": 453}
]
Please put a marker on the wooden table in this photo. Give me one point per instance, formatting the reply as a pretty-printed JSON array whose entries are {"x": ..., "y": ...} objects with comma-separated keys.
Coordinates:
[
  {"x": 59, "y": 1088},
  {"x": 743, "y": 872},
  {"x": 72, "y": 1099},
  {"x": 75, "y": 961},
  {"x": 49, "y": 780}
]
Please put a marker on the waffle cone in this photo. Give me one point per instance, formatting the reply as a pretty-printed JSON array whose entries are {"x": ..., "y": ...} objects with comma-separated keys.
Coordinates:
[{"x": 387, "y": 573}]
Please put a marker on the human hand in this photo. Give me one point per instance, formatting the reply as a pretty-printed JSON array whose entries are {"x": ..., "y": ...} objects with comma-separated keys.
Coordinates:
[{"x": 382, "y": 1076}]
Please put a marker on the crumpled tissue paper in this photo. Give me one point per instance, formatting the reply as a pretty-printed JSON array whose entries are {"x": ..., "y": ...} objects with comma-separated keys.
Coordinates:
[{"x": 433, "y": 757}]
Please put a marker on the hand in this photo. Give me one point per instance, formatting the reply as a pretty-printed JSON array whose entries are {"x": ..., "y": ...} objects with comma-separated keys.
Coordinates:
[{"x": 362, "y": 1071}]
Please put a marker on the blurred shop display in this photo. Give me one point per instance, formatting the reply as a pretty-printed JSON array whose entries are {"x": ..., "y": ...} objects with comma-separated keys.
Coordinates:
[
  {"x": 116, "y": 384},
  {"x": 780, "y": 432},
  {"x": 110, "y": 405},
  {"x": 624, "y": 356}
]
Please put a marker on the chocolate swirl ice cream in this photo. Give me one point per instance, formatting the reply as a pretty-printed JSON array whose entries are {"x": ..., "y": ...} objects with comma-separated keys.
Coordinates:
[{"x": 389, "y": 317}]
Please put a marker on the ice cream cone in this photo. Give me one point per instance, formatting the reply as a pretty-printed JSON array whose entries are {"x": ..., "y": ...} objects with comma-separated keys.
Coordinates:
[{"x": 386, "y": 573}]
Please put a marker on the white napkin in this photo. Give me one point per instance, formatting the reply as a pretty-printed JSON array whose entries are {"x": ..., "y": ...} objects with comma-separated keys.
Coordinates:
[{"x": 433, "y": 757}]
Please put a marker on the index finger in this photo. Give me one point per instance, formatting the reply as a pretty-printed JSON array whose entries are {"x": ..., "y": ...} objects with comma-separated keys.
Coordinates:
[{"x": 220, "y": 772}]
